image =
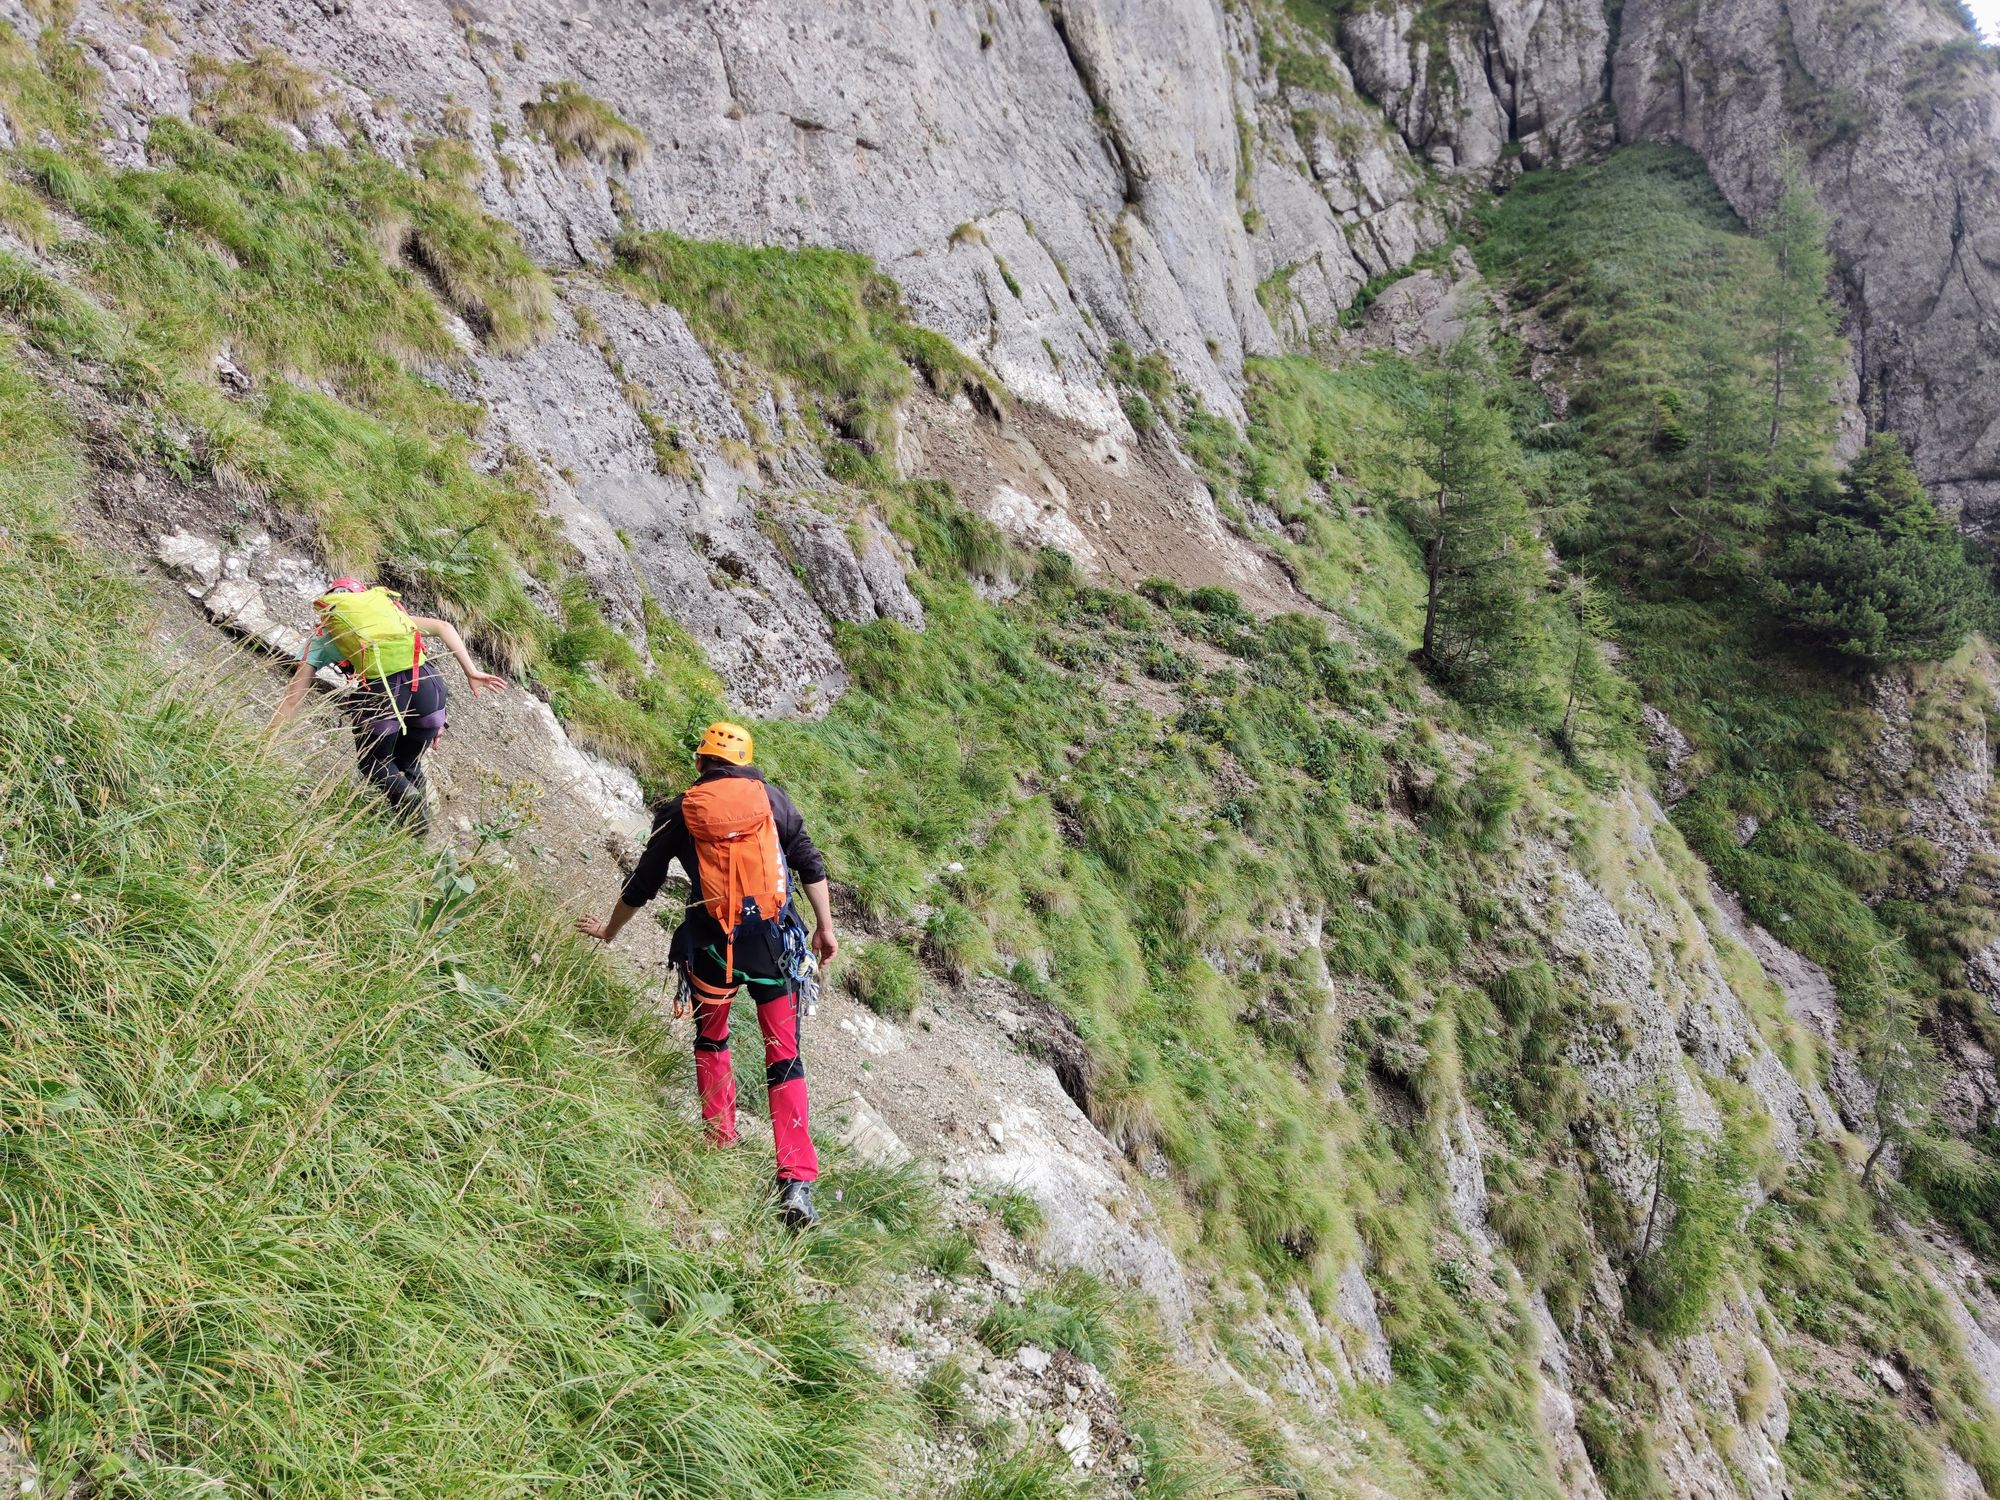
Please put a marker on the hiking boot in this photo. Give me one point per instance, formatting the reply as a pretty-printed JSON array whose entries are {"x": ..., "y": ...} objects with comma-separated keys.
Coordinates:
[{"x": 795, "y": 1205}]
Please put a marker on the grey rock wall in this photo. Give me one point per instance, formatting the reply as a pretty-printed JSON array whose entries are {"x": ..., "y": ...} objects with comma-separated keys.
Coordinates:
[
  {"x": 1527, "y": 82},
  {"x": 1044, "y": 181},
  {"x": 1092, "y": 147}
]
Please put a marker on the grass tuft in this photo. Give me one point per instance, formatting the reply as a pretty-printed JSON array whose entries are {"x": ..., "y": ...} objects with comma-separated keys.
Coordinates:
[
  {"x": 580, "y": 127},
  {"x": 267, "y": 85},
  {"x": 1033, "y": 1473}
]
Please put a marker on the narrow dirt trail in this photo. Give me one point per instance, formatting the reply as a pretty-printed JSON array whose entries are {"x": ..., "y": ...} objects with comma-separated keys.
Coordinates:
[{"x": 948, "y": 1087}]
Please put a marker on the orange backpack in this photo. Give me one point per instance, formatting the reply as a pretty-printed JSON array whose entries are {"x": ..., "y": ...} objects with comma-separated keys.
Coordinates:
[{"x": 736, "y": 846}]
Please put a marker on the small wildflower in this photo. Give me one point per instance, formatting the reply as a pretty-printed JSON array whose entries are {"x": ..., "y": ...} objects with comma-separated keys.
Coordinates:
[{"x": 48, "y": 882}]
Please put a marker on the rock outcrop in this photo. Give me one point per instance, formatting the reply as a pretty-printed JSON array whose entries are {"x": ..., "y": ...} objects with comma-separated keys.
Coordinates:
[{"x": 1529, "y": 78}]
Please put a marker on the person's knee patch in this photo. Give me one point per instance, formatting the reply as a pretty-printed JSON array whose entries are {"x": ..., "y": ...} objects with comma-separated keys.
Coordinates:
[{"x": 787, "y": 1070}]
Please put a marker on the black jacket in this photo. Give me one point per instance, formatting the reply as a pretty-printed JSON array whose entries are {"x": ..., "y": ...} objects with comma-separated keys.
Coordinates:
[{"x": 671, "y": 841}]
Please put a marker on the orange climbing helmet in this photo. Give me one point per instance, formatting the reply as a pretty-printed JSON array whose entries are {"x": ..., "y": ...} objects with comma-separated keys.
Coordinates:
[{"x": 726, "y": 741}]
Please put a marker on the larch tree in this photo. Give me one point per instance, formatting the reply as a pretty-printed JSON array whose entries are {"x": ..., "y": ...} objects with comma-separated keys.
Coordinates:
[
  {"x": 1483, "y": 563},
  {"x": 1801, "y": 331}
]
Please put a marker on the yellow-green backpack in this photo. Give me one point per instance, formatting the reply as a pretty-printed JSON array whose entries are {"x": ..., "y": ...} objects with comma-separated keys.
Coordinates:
[{"x": 374, "y": 635}]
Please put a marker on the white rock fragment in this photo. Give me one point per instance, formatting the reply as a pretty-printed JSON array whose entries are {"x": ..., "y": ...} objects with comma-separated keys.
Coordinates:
[
  {"x": 873, "y": 1035},
  {"x": 229, "y": 374},
  {"x": 195, "y": 558},
  {"x": 610, "y": 790},
  {"x": 859, "y": 1128},
  {"x": 1074, "y": 1439},
  {"x": 1004, "y": 1274}
]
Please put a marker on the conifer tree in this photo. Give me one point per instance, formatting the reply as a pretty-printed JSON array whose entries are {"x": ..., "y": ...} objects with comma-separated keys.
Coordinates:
[
  {"x": 1482, "y": 560},
  {"x": 1722, "y": 487},
  {"x": 1594, "y": 697},
  {"x": 1899, "y": 1065},
  {"x": 1880, "y": 575},
  {"x": 1800, "y": 326}
]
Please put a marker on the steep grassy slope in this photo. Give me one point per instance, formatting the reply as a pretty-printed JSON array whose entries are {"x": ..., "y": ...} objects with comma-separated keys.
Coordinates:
[
  {"x": 218, "y": 244},
  {"x": 328, "y": 1173},
  {"x": 1639, "y": 263},
  {"x": 1642, "y": 262}
]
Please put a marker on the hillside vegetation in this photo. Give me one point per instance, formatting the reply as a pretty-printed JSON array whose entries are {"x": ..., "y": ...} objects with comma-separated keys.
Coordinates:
[
  {"x": 1725, "y": 627},
  {"x": 330, "y": 1170}
]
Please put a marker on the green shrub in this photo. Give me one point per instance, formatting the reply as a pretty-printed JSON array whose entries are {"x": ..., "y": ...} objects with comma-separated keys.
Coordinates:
[
  {"x": 1692, "y": 1222},
  {"x": 268, "y": 85},
  {"x": 1622, "y": 1453},
  {"x": 580, "y": 126},
  {"x": 1960, "y": 1179},
  {"x": 1879, "y": 575},
  {"x": 1837, "y": 1445},
  {"x": 941, "y": 1392},
  {"x": 825, "y": 320},
  {"x": 952, "y": 1255},
  {"x": 956, "y": 940},
  {"x": 1029, "y": 1474},
  {"x": 1019, "y": 1215},
  {"x": 1076, "y": 1314},
  {"x": 1832, "y": 1273}
]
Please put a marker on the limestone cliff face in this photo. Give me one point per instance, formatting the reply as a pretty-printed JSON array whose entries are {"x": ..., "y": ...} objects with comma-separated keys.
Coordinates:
[
  {"x": 1897, "y": 113},
  {"x": 1091, "y": 146},
  {"x": 1529, "y": 77},
  {"x": 1044, "y": 182},
  {"x": 1210, "y": 180}
]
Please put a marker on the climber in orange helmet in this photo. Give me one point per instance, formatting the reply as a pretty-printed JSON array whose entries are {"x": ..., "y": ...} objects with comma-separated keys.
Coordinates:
[{"x": 740, "y": 840}]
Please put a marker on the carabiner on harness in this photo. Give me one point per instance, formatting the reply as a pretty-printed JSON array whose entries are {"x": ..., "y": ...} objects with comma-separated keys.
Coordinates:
[{"x": 801, "y": 963}]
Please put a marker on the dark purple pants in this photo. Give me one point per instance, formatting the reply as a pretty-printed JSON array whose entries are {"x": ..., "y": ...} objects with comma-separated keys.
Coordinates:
[{"x": 393, "y": 729}]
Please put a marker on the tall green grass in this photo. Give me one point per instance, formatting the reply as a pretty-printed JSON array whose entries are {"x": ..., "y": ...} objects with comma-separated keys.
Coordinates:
[
  {"x": 825, "y": 320},
  {"x": 1831, "y": 1272}
]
